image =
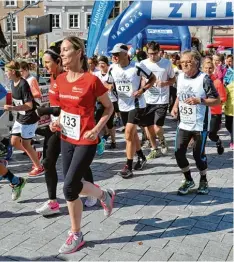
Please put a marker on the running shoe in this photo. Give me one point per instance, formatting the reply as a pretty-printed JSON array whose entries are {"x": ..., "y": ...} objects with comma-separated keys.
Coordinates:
[
  {"x": 73, "y": 243},
  {"x": 125, "y": 172},
  {"x": 220, "y": 148},
  {"x": 185, "y": 187},
  {"x": 140, "y": 163},
  {"x": 90, "y": 201},
  {"x": 37, "y": 172},
  {"x": 164, "y": 146},
  {"x": 101, "y": 147},
  {"x": 146, "y": 144},
  {"x": 153, "y": 154},
  {"x": 40, "y": 157},
  {"x": 203, "y": 188},
  {"x": 108, "y": 202},
  {"x": 112, "y": 145},
  {"x": 48, "y": 209},
  {"x": 17, "y": 189},
  {"x": 231, "y": 146}
]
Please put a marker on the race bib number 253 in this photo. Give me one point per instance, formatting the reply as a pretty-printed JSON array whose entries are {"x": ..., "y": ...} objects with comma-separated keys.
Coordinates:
[
  {"x": 70, "y": 125},
  {"x": 188, "y": 113}
]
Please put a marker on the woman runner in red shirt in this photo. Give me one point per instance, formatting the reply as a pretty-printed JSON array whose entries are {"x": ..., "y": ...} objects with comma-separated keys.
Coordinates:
[{"x": 78, "y": 91}]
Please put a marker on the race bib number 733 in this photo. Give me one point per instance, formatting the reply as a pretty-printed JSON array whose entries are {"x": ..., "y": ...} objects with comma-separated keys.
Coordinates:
[{"x": 70, "y": 125}]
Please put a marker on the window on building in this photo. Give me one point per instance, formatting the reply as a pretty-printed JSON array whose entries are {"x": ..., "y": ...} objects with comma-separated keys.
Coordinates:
[
  {"x": 56, "y": 21},
  {"x": 14, "y": 25},
  {"x": 30, "y": 2},
  {"x": 74, "y": 20},
  {"x": 116, "y": 10},
  {"x": 32, "y": 46},
  {"x": 88, "y": 19},
  {"x": 10, "y": 3}
]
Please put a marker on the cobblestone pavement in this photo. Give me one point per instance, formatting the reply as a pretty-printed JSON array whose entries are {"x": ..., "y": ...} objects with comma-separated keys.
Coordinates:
[{"x": 150, "y": 222}]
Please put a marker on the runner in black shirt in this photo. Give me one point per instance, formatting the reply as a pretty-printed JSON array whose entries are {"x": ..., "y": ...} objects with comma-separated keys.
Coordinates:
[{"x": 25, "y": 125}]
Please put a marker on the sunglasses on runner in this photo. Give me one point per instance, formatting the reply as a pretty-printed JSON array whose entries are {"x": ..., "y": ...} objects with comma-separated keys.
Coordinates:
[{"x": 116, "y": 54}]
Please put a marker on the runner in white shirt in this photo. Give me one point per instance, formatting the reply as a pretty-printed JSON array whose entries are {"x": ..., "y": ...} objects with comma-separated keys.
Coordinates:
[
  {"x": 103, "y": 64},
  {"x": 157, "y": 98},
  {"x": 126, "y": 77},
  {"x": 195, "y": 93}
]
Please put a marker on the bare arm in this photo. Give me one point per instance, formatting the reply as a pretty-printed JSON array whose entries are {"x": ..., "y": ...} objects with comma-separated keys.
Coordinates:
[{"x": 108, "y": 111}]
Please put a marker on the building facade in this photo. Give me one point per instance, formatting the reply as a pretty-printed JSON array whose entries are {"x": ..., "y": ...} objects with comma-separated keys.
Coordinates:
[
  {"x": 21, "y": 44},
  {"x": 73, "y": 17}
]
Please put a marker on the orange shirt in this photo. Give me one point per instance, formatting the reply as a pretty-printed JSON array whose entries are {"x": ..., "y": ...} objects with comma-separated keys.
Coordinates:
[
  {"x": 77, "y": 101},
  {"x": 217, "y": 110}
]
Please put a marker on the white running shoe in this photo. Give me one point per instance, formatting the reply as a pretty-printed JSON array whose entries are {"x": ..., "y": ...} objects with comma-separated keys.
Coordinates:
[
  {"x": 90, "y": 201},
  {"x": 48, "y": 209}
]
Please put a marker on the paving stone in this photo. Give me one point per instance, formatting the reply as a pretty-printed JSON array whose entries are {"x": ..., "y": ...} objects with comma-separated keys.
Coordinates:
[
  {"x": 186, "y": 223},
  {"x": 157, "y": 254},
  {"x": 181, "y": 257},
  {"x": 119, "y": 256},
  {"x": 151, "y": 240},
  {"x": 175, "y": 234},
  {"x": 77, "y": 256},
  {"x": 183, "y": 248},
  {"x": 206, "y": 225},
  {"x": 218, "y": 250},
  {"x": 196, "y": 241},
  {"x": 137, "y": 248},
  {"x": 230, "y": 256}
]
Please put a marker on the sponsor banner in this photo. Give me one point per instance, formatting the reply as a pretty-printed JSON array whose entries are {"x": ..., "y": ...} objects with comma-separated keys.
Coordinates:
[
  {"x": 195, "y": 10},
  {"x": 100, "y": 14}
]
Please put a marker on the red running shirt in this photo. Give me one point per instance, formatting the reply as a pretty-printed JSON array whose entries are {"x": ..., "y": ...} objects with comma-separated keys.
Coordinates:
[
  {"x": 53, "y": 93},
  {"x": 77, "y": 102}
]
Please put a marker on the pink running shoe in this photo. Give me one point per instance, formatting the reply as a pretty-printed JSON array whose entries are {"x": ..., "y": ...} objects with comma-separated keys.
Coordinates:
[{"x": 48, "y": 209}]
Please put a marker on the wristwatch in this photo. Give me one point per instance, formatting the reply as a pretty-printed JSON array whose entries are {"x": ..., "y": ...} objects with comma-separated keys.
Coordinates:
[
  {"x": 203, "y": 101},
  {"x": 144, "y": 89}
]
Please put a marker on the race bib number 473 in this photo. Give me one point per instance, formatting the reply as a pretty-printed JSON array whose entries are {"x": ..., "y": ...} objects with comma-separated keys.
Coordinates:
[
  {"x": 188, "y": 113},
  {"x": 70, "y": 125},
  {"x": 124, "y": 89}
]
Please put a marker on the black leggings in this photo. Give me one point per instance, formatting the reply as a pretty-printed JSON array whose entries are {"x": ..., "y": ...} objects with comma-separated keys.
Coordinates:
[
  {"x": 229, "y": 125},
  {"x": 215, "y": 125},
  {"x": 183, "y": 138},
  {"x": 52, "y": 155},
  {"x": 76, "y": 165}
]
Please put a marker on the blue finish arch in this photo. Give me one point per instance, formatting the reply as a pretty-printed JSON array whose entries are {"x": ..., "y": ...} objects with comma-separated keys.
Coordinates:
[{"x": 185, "y": 13}]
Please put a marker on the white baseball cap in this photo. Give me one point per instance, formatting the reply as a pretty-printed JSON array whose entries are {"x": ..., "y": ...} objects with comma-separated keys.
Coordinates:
[{"x": 119, "y": 48}]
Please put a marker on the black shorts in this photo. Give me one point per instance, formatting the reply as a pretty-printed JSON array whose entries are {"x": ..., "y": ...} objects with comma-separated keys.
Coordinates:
[
  {"x": 98, "y": 114},
  {"x": 155, "y": 115},
  {"x": 116, "y": 107},
  {"x": 134, "y": 116}
]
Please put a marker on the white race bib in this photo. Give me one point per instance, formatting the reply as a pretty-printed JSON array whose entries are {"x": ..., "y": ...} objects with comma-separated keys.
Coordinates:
[
  {"x": 124, "y": 89},
  {"x": 19, "y": 103},
  {"x": 70, "y": 124},
  {"x": 188, "y": 113}
]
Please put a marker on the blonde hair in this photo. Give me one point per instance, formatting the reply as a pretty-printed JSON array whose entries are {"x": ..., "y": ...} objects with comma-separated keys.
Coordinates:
[
  {"x": 207, "y": 62},
  {"x": 79, "y": 44},
  {"x": 13, "y": 65}
]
